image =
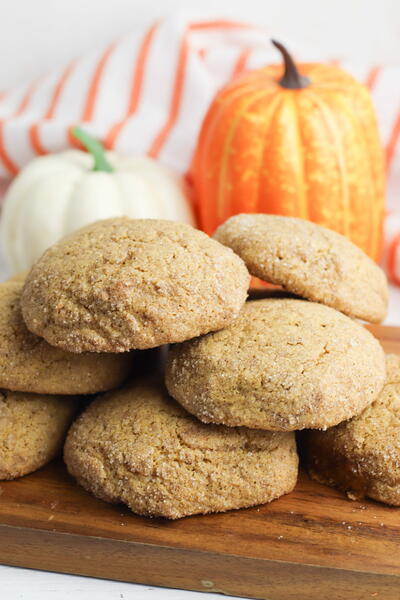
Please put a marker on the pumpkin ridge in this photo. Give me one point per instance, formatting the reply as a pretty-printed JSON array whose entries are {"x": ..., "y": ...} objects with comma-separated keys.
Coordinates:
[
  {"x": 331, "y": 125},
  {"x": 364, "y": 148},
  {"x": 267, "y": 109},
  {"x": 215, "y": 113},
  {"x": 224, "y": 104},
  {"x": 213, "y": 118},
  {"x": 227, "y": 145},
  {"x": 301, "y": 185},
  {"x": 272, "y": 112},
  {"x": 67, "y": 205},
  {"x": 378, "y": 185}
]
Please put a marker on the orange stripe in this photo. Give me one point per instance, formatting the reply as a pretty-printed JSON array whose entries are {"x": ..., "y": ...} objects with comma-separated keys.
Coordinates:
[
  {"x": 372, "y": 77},
  {"x": 58, "y": 90},
  {"x": 161, "y": 137},
  {"x": 88, "y": 110},
  {"x": 136, "y": 86},
  {"x": 240, "y": 65},
  {"x": 9, "y": 164},
  {"x": 34, "y": 139},
  {"x": 391, "y": 259},
  {"x": 221, "y": 24},
  {"x": 139, "y": 71},
  {"x": 26, "y": 99},
  {"x": 112, "y": 135},
  {"x": 91, "y": 97},
  {"x": 34, "y": 133},
  {"x": 6, "y": 160},
  {"x": 392, "y": 143}
]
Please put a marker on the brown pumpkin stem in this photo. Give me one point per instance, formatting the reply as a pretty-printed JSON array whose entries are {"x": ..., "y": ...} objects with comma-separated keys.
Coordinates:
[{"x": 291, "y": 80}]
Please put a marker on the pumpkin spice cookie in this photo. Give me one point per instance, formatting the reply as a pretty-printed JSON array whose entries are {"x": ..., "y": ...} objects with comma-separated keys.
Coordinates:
[
  {"x": 32, "y": 430},
  {"x": 120, "y": 284},
  {"x": 310, "y": 261},
  {"x": 283, "y": 365},
  {"x": 29, "y": 364},
  {"x": 362, "y": 456},
  {"x": 137, "y": 446}
]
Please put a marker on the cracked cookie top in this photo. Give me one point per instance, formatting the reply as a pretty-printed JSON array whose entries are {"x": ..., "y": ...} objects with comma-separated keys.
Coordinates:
[
  {"x": 310, "y": 261},
  {"x": 283, "y": 365},
  {"x": 120, "y": 284},
  {"x": 29, "y": 364},
  {"x": 138, "y": 446}
]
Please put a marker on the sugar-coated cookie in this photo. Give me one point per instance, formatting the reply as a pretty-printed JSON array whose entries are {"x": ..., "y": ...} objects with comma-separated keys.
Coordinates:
[
  {"x": 283, "y": 365},
  {"x": 138, "y": 446},
  {"x": 29, "y": 364},
  {"x": 362, "y": 456},
  {"x": 120, "y": 284},
  {"x": 310, "y": 261},
  {"x": 32, "y": 430}
]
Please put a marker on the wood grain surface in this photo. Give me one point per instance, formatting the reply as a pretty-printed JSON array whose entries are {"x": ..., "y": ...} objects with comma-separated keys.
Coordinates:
[{"x": 309, "y": 545}]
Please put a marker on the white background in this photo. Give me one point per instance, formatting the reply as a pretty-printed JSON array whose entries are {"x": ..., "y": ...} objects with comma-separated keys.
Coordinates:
[{"x": 36, "y": 35}]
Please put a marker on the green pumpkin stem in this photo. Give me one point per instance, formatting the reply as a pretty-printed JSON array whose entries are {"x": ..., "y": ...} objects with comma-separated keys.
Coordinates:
[
  {"x": 291, "y": 80},
  {"x": 95, "y": 148}
]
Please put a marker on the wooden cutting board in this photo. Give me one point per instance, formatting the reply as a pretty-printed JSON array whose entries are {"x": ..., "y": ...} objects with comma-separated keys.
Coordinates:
[{"x": 309, "y": 545}]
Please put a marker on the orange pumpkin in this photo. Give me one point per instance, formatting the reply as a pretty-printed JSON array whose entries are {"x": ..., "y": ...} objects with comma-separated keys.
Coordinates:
[{"x": 293, "y": 141}]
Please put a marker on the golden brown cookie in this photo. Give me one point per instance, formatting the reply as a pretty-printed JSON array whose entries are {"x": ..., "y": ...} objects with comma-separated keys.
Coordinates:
[
  {"x": 137, "y": 446},
  {"x": 29, "y": 364},
  {"x": 120, "y": 284},
  {"x": 362, "y": 456},
  {"x": 283, "y": 365},
  {"x": 310, "y": 261},
  {"x": 32, "y": 430}
]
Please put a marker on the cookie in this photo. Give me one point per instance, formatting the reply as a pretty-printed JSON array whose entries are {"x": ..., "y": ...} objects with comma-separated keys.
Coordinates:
[
  {"x": 120, "y": 284},
  {"x": 283, "y": 365},
  {"x": 32, "y": 430},
  {"x": 310, "y": 261},
  {"x": 362, "y": 456},
  {"x": 137, "y": 446},
  {"x": 29, "y": 364}
]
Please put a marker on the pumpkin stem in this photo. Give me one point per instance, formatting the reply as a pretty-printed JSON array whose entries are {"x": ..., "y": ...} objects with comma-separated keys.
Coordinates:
[
  {"x": 291, "y": 80},
  {"x": 95, "y": 148}
]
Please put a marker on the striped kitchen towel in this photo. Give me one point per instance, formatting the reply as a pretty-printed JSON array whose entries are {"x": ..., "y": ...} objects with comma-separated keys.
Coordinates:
[{"x": 148, "y": 93}]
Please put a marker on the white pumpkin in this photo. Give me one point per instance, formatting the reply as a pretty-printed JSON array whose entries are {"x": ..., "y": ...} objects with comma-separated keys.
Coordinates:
[{"x": 57, "y": 194}]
